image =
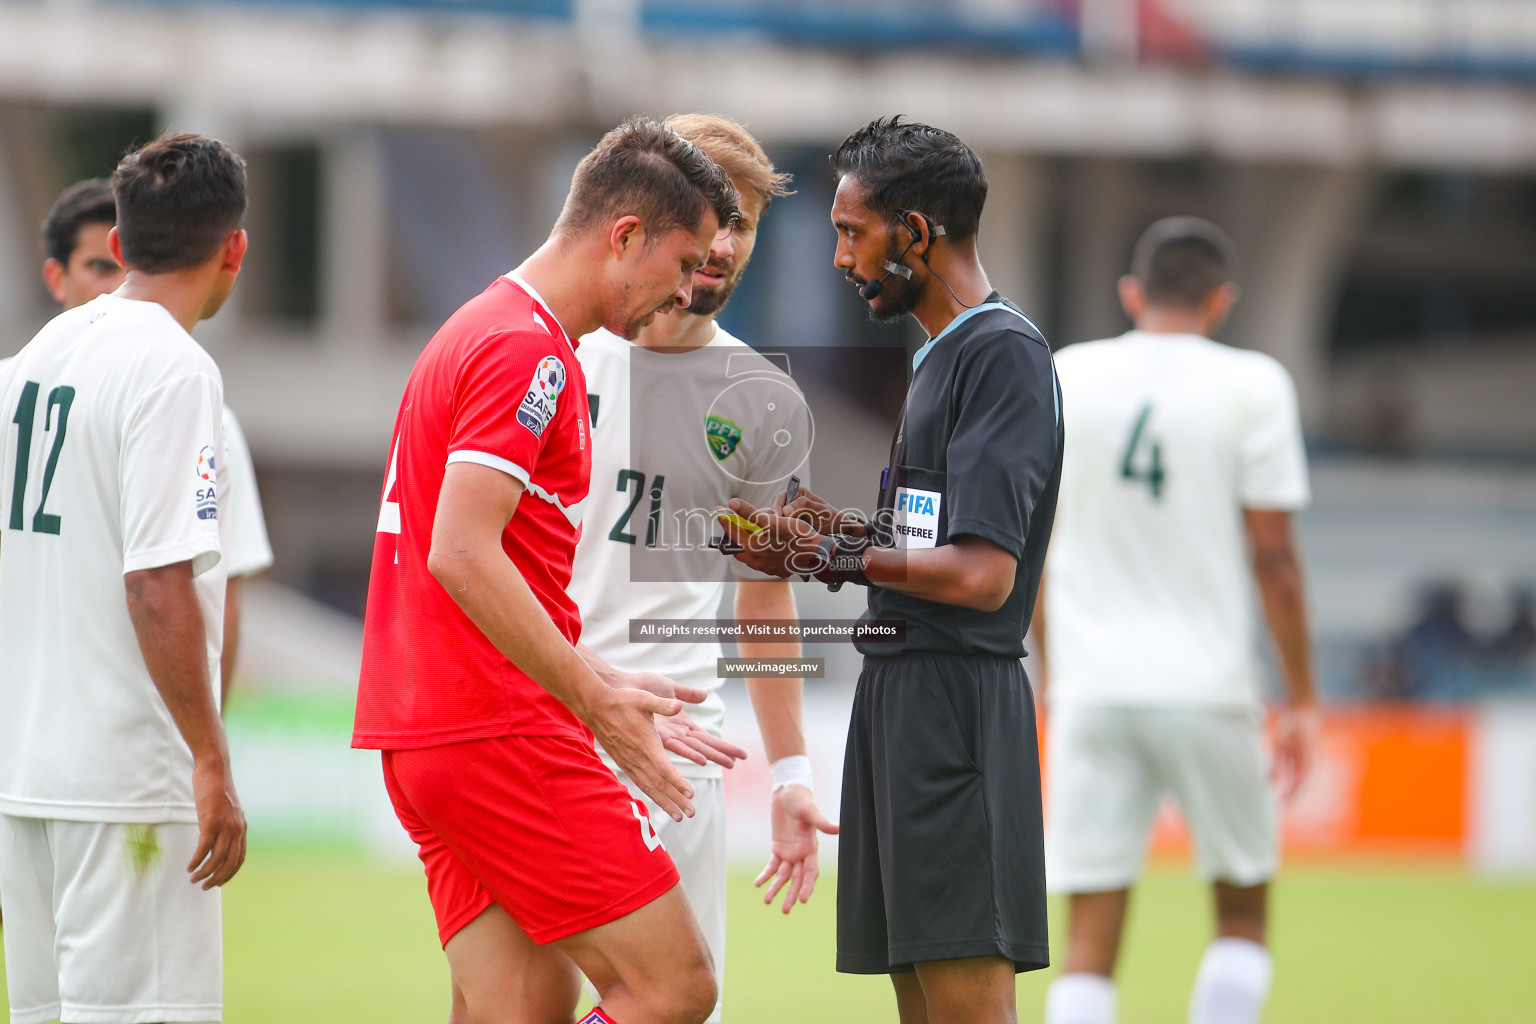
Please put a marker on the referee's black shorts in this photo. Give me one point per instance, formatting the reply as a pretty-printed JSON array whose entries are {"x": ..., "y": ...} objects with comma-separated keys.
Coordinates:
[{"x": 941, "y": 854}]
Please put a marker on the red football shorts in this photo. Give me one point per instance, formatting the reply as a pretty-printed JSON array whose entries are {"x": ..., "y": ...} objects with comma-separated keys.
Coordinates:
[{"x": 535, "y": 823}]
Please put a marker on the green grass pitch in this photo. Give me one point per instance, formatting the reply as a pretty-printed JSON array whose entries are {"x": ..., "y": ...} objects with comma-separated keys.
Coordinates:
[{"x": 327, "y": 939}]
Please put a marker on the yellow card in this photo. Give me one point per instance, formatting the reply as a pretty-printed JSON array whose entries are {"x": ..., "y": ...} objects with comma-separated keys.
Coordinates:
[{"x": 740, "y": 522}]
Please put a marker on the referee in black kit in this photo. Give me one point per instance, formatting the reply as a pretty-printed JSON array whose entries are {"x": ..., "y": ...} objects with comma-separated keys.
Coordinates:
[{"x": 941, "y": 873}]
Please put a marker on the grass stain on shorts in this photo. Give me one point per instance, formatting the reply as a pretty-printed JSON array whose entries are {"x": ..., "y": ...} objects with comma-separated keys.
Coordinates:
[{"x": 144, "y": 850}]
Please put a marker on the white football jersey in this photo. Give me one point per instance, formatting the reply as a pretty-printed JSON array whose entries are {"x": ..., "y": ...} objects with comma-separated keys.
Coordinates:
[
  {"x": 1148, "y": 585},
  {"x": 249, "y": 550},
  {"x": 675, "y": 435},
  {"x": 111, "y": 463}
]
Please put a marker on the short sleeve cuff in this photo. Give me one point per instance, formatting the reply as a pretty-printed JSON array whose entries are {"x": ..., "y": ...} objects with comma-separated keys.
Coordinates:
[
  {"x": 1278, "y": 501},
  {"x": 987, "y": 532},
  {"x": 203, "y": 555},
  {"x": 490, "y": 461}
]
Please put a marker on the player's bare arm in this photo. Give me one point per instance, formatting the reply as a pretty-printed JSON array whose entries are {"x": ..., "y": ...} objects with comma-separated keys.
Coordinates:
[
  {"x": 1277, "y": 568},
  {"x": 968, "y": 572},
  {"x": 792, "y": 865},
  {"x": 169, "y": 624},
  {"x": 473, "y": 509},
  {"x": 679, "y": 733}
]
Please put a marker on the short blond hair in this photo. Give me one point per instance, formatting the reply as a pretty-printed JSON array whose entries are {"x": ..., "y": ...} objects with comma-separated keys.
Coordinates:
[{"x": 729, "y": 145}]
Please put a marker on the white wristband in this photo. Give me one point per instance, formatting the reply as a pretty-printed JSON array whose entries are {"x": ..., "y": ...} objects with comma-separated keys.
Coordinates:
[{"x": 791, "y": 771}]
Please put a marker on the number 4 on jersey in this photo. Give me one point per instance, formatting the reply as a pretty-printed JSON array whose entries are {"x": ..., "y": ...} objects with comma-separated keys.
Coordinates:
[{"x": 1153, "y": 473}]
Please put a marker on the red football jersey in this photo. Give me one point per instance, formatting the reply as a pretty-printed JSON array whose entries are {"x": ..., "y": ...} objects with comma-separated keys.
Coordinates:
[{"x": 498, "y": 385}]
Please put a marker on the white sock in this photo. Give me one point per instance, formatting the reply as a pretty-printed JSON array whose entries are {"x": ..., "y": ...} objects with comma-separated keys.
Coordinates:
[
  {"x": 1232, "y": 983},
  {"x": 1080, "y": 998}
]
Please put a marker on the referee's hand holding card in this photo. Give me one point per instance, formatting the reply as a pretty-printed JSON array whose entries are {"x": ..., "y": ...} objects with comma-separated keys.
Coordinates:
[{"x": 781, "y": 542}]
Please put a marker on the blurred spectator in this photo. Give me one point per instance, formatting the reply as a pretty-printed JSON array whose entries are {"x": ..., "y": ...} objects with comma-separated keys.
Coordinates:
[
  {"x": 1517, "y": 644},
  {"x": 1440, "y": 658},
  {"x": 1438, "y": 650}
]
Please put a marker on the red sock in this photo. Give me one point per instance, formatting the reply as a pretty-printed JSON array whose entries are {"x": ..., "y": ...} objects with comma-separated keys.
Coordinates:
[{"x": 597, "y": 1016}]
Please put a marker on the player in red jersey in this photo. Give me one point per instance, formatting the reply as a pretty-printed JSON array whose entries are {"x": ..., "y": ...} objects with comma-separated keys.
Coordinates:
[{"x": 537, "y": 860}]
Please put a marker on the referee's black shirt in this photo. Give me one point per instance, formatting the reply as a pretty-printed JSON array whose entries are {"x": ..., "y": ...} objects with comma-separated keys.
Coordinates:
[{"x": 982, "y": 430}]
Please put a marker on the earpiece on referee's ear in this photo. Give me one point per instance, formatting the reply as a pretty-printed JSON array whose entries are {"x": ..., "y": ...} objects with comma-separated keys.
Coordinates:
[{"x": 934, "y": 230}]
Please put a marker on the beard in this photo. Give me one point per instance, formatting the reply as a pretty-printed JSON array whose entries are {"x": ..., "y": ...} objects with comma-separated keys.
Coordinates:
[
  {"x": 898, "y": 295},
  {"x": 709, "y": 301},
  {"x": 897, "y": 298}
]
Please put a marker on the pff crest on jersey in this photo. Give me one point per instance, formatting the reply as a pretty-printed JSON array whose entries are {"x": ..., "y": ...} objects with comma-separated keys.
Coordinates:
[{"x": 723, "y": 436}]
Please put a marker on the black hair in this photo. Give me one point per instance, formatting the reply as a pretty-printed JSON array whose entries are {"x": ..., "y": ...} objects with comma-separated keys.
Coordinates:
[
  {"x": 85, "y": 202},
  {"x": 178, "y": 197},
  {"x": 646, "y": 169},
  {"x": 1180, "y": 261},
  {"x": 909, "y": 166}
]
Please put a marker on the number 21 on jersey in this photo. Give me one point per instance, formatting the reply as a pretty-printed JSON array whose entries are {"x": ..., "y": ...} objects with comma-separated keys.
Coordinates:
[{"x": 1143, "y": 459}]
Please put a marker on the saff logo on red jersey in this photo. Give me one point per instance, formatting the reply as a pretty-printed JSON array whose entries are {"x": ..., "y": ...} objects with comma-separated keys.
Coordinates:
[{"x": 538, "y": 405}]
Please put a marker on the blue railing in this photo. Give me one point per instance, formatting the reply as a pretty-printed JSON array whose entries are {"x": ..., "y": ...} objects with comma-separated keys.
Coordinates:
[
  {"x": 1283, "y": 40},
  {"x": 1365, "y": 64},
  {"x": 865, "y": 26},
  {"x": 550, "y": 11}
]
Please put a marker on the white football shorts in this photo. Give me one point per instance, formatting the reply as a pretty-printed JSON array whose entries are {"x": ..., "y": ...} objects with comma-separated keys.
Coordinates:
[
  {"x": 1109, "y": 768},
  {"x": 102, "y": 925}
]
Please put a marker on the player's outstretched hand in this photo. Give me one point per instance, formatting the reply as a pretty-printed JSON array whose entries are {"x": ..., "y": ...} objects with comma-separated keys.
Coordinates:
[
  {"x": 220, "y": 823},
  {"x": 1297, "y": 736},
  {"x": 679, "y": 733},
  {"x": 621, "y": 719},
  {"x": 662, "y": 686},
  {"x": 793, "y": 867},
  {"x": 686, "y": 738}
]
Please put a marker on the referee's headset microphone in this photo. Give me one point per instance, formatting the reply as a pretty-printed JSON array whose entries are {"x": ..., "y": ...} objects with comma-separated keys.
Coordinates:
[{"x": 871, "y": 289}]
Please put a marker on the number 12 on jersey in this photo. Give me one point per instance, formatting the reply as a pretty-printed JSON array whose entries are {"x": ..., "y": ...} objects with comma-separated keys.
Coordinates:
[
  {"x": 60, "y": 399},
  {"x": 1149, "y": 470}
]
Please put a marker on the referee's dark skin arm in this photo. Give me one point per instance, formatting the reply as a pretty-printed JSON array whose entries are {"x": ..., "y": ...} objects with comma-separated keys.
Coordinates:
[{"x": 968, "y": 572}]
